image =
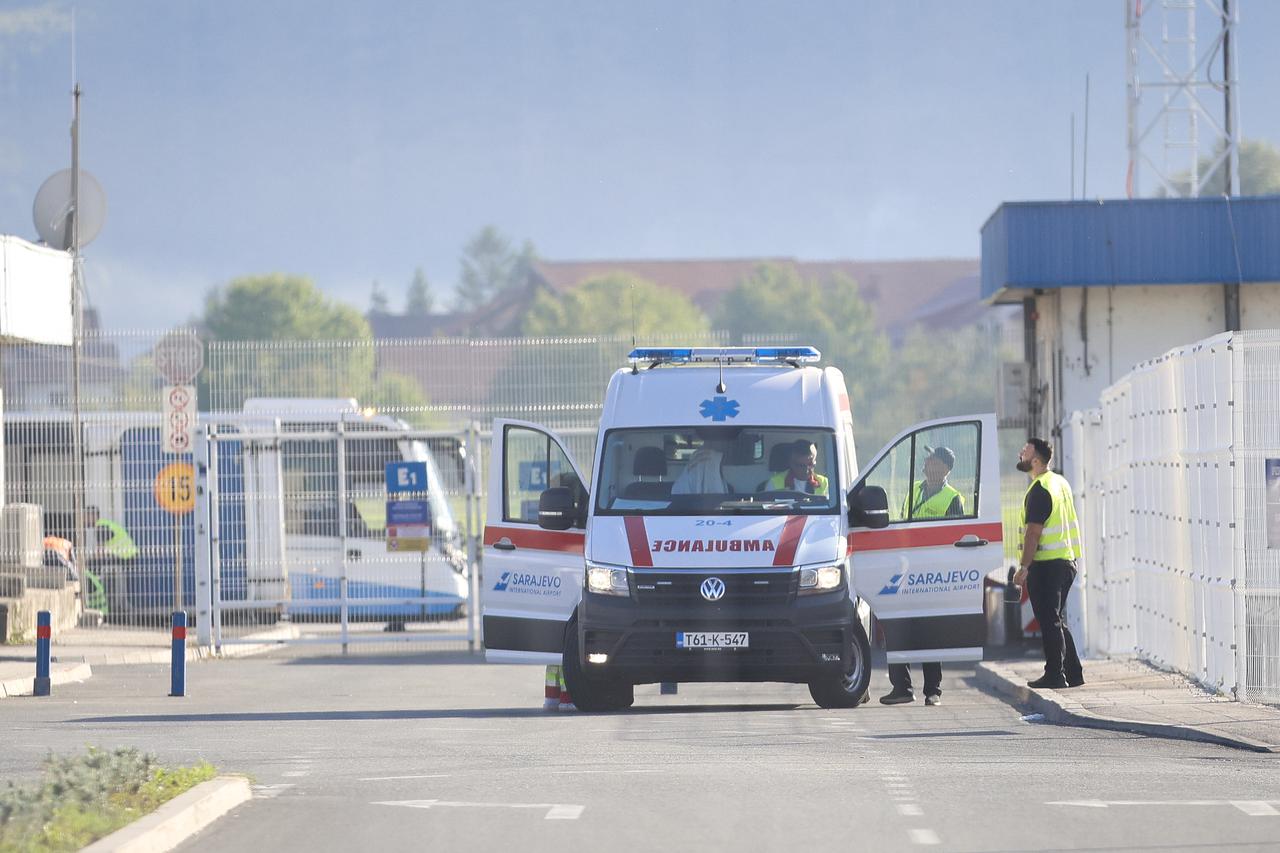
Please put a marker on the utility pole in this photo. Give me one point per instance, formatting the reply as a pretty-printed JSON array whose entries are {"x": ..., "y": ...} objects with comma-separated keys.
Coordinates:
[
  {"x": 77, "y": 332},
  {"x": 1230, "y": 166}
]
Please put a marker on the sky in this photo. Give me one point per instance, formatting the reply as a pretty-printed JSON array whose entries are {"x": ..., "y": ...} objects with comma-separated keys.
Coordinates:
[{"x": 355, "y": 142}]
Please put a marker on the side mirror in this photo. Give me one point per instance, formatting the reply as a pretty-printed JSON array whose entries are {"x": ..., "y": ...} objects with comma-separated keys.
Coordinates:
[
  {"x": 869, "y": 507},
  {"x": 557, "y": 509}
]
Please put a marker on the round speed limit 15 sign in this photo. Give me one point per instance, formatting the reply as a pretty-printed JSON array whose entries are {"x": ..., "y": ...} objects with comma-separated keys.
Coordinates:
[{"x": 175, "y": 488}]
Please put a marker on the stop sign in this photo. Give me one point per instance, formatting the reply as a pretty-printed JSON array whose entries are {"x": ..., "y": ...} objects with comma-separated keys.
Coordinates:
[{"x": 179, "y": 357}]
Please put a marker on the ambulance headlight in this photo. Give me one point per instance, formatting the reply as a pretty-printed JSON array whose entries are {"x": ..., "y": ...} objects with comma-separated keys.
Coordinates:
[
  {"x": 607, "y": 580},
  {"x": 821, "y": 579}
]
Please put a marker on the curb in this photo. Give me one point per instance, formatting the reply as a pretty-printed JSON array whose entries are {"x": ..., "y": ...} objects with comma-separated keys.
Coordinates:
[
  {"x": 1066, "y": 712},
  {"x": 178, "y": 819},
  {"x": 25, "y": 686}
]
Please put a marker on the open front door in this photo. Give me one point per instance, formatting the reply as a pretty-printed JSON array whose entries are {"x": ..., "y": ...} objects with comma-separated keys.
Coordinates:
[
  {"x": 923, "y": 575},
  {"x": 532, "y": 577}
]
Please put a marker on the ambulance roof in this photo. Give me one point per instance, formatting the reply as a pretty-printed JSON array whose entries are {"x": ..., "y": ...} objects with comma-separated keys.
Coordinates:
[{"x": 753, "y": 396}]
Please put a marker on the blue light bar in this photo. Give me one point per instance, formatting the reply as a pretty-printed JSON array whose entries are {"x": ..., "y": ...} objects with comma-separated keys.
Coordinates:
[
  {"x": 671, "y": 354},
  {"x": 787, "y": 354},
  {"x": 725, "y": 355}
]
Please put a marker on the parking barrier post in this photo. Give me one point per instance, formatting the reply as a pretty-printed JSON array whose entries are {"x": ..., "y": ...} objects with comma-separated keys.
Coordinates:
[
  {"x": 44, "y": 633},
  {"x": 178, "y": 663}
]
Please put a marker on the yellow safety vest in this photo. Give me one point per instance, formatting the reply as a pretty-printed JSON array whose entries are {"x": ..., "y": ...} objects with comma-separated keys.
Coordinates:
[
  {"x": 937, "y": 504},
  {"x": 120, "y": 545},
  {"x": 779, "y": 481},
  {"x": 1060, "y": 539}
]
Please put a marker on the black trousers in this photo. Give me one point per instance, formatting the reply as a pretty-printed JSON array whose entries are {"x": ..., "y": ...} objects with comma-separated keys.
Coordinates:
[
  {"x": 1048, "y": 582},
  {"x": 900, "y": 678}
]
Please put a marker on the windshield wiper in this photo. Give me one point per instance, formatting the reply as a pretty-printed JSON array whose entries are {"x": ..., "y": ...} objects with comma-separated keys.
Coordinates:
[{"x": 749, "y": 504}]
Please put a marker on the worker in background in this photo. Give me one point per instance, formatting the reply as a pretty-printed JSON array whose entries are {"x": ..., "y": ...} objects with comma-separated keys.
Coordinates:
[
  {"x": 801, "y": 474},
  {"x": 931, "y": 497},
  {"x": 114, "y": 549},
  {"x": 1050, "y": 549}
]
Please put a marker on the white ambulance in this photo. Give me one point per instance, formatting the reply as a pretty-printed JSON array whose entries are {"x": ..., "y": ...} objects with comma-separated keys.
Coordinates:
[{"x": 728, "y": 534}]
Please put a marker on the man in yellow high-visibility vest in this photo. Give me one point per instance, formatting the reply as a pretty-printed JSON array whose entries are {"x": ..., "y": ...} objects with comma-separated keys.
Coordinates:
[
  {"x": 801, "y": 474},
  {"x": 1050, "y": 549},
  {"x": 931, "y": 497}
]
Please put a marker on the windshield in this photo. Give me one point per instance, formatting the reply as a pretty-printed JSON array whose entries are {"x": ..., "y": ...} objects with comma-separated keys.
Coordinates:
[{"x": 706, "y": 470}]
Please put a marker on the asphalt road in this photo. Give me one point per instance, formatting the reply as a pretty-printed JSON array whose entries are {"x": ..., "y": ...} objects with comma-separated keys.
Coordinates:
[{"x": 398, "y": 753}]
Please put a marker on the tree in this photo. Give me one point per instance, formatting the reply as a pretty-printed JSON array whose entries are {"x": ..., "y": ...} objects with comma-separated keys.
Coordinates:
[
  {"x": 278, "y": 307},
  {"x": 290, "y": 320},
  {"x": 616, "y": 304},
  {"x": 491, "y": 266},
  {"x": 378, "y": 299},
  {"x": 775, "y": 302},
  {"x": 1259, "y": 171},
  {"x": 419, "y": 301},
  {"x": 935, "y": 375}
]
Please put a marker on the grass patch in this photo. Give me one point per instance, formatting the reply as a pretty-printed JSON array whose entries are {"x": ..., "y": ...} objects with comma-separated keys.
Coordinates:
[{"x": 85, "y": 797}]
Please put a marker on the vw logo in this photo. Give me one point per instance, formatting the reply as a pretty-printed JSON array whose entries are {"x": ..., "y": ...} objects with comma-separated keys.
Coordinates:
[{"x": 712, "y": 589}]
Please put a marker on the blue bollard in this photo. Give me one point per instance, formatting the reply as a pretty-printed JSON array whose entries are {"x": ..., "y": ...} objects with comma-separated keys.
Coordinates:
[
  {"x": 178, "y": 663},
  {"x": 44, "y": 633}
]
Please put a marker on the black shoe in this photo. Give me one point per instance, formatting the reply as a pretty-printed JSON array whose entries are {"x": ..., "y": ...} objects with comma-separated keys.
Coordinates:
[
  {"x": 1049, "y": 682},
  {"x": 1075, "y": 682},
  {"x": 933, "y": 699},
  {"x": 896, "y": 698}
]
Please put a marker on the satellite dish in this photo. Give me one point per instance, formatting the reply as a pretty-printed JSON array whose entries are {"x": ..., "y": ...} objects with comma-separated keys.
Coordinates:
[{"x": 53, "y": 207}]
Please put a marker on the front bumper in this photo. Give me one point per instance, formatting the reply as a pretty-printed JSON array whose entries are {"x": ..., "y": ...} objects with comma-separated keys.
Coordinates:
[{"x": 799, "y": 641}]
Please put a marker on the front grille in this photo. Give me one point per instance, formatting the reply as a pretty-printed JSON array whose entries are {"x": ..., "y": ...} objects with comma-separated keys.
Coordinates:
[{"x": 666, "y": 587}]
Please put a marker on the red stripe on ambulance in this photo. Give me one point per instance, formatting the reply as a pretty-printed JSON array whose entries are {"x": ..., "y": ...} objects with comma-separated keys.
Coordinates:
[
  {"x": 924, "y": 536},
  {"x": 638, "y": 541},
  {"x": 789, "y": 541}
]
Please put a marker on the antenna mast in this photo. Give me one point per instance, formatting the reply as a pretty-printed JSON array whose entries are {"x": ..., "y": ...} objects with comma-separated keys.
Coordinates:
[{"x": 1171, "y": 87}]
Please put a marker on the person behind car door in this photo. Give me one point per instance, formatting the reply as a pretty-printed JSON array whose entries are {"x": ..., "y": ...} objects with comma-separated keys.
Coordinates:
[
  {"x": 800, "y": 475},
  {"x": 931, "y": 497},
  {"x": 1050, "y": 549}
]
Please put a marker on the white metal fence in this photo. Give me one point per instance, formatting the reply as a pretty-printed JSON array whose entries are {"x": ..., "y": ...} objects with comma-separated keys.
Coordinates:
[
  {"x": 293, "y": 525},
  {"x": 1182, "y": 515}
]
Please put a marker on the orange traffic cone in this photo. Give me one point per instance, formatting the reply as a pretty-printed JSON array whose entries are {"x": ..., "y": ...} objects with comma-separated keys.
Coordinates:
[{"x": 551, "y": 694}]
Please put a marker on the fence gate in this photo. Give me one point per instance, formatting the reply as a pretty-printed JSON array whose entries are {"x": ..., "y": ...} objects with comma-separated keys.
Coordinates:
[{"x": 300, "y": 547}]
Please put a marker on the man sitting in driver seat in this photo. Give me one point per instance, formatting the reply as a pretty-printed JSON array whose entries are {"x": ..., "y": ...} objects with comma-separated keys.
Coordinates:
[{"x": 800, "y": 475}]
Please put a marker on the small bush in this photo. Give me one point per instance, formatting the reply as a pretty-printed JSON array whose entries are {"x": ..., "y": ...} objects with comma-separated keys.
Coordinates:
[{"x": 85, "y": 797}]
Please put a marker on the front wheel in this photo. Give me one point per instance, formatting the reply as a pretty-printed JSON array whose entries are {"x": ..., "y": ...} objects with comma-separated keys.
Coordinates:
[
  {"x": 591, "y": 693},
  {"x": 852, "y": 688}
]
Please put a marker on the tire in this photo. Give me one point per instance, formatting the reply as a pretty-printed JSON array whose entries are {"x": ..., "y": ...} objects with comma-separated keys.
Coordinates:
[
  {"x": 591, "y": 693},
  {"x": 853, "y": 687}
]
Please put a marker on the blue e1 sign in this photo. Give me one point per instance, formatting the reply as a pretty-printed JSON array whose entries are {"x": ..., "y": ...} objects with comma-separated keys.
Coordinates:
[{"x": 406, "y": 477}]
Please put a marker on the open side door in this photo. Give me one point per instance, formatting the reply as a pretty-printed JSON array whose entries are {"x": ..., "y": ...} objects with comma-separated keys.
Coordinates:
[
  {"x": 923, "y": 574},
  {"x": 532, "y": 579}
]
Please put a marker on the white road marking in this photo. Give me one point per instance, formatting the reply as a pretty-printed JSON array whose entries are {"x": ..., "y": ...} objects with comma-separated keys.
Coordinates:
[
  {"x": 564, "y": 813},
  {"x": 267, "y": 792},
  {"x": 910, "y": 810},
  {"x": 1253, "y": 808},
  {"x": 924, "y": 836},
  {"x": 294, "y": 774},
  {"x": 555, "y": 811},
  {"x": 390, "y": 778},
  {"x": 566, "y": 772}
]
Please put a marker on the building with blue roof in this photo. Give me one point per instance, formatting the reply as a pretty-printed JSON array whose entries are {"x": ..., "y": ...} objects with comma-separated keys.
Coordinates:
[{"x": 1105, "y": 285}]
